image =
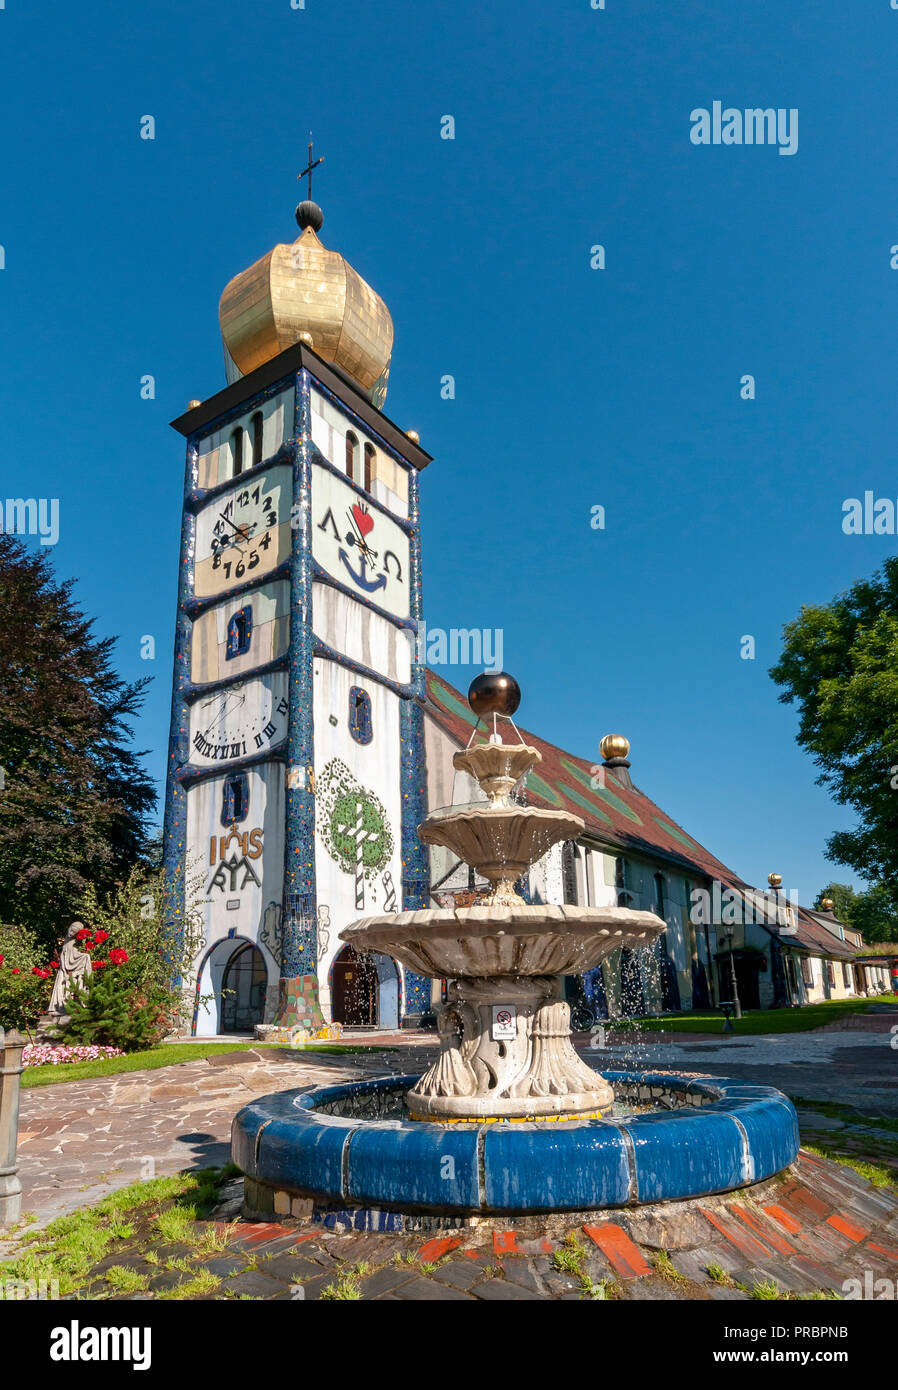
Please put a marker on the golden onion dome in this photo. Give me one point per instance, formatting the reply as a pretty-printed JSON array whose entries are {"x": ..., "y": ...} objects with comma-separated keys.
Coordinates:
[
  {"x": 614, "y": 746},
  {"x": 304, "y": 291}
]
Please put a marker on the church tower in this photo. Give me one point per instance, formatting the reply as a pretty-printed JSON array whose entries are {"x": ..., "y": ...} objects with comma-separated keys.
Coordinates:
[{"x": 296, "y": 756}]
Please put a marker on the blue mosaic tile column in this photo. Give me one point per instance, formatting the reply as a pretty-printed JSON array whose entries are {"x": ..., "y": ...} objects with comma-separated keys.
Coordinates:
[
  {"x": 415, "y": 858},
  {"x": 298, "y": 995},
  {"x": 174, "y": 835}
]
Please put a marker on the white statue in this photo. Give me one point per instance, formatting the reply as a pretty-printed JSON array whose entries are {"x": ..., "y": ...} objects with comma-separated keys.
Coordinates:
[{"x": 74, "y": 969}]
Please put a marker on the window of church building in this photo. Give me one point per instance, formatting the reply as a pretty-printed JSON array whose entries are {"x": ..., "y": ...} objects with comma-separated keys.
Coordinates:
[
  {"x": 256, "y": 423},
  {"x": 237, "y": 450},
  {"x": 807, "y": 970},
  {"x": 830, "y": 975},
  {"x": 569, "y": 872},
  {"x": 621, "y": 873},
  {"x": 352, "y": 449},
  {"x": 370, "y": 455},
  {"x": 240, "y": 631},
  {"x": 659, "y": 894},
  {"x": 235, "y": 798},
  {"x": 360, "y": 715}
]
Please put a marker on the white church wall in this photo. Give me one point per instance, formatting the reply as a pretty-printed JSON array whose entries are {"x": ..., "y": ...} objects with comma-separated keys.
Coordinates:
[
  {"x": 240, "y": 720},
  {"x": 269, "y": 609},
  {"x": 353, "y": 630},
  {"x": 356, "y": 789},
  {"x": 329, "y": 430},
  {"x": 242, "y": 865},
  {"x": 215, "y": 453}
]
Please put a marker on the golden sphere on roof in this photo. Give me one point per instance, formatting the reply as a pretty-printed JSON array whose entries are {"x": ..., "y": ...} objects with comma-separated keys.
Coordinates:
[
  {"x": 614, "y": 746},
  {"x": 307, "y": 339},
  {"x": 826, "y": 904},
  {"x": 774, "y": 880},
  {"x": 303, "y": 290},
  {"x": 414, "y": 436},
  {"x": 192, "y": 405}
]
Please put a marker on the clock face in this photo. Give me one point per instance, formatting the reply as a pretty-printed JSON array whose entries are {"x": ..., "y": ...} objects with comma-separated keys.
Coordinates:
[
  {"x": 359, "y": 544},
  {"x": 244, "y": 533},
  {"x": 240, "y": 720}
]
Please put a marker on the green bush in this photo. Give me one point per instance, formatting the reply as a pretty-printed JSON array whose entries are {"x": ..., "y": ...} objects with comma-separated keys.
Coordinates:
[
  {"x": 19, "y": 948},
  {"x": 113, "y": 1010}
]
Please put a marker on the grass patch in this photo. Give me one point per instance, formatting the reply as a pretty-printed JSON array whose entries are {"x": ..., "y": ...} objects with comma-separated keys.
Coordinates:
[
  {"x": 71, "y": 1246},
  {"x": 756, "y": 1021},
  {"x": 664, "y": 1266},
  {"x": 169, "y": 1055},
  {"x": 873, "y": 1172},
  {"x": 203, "y": 1284},
  {"x": 345, "y": 1287},
  {"x": 125, "y": 1280},
  {"x": 718, "y": 1275},
  {"x": 568, "y": 1258}
]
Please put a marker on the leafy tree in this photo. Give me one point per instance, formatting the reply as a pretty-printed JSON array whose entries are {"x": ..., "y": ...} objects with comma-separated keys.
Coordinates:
[
  {"x": 873, "y": 913},
  {"x": 839, "y": 665},
  {"x": 74, "y": 797}
]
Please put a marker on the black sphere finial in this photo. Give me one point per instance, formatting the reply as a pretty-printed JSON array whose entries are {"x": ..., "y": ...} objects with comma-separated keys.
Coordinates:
[
  {"x": 494, "y": 692},
  {"x": 309, "y": 214}
]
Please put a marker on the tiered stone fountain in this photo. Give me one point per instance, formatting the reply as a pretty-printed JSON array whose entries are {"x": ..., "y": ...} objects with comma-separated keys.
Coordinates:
[
  {"x": 505, "y": 1040},
  {"x": 508, "y": 1118}
]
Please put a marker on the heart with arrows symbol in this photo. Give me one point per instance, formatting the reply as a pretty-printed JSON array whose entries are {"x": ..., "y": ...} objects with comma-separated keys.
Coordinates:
[{"x": 363, "y": 519}]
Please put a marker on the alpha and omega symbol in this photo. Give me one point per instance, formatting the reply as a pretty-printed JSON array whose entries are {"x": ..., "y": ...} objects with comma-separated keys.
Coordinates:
[{"x": 373, "y": 570}]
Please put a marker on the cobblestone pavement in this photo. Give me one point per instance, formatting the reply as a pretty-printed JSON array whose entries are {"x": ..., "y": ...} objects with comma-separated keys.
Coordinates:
[
  {"x": 80, "y": 1139},
  {"x": 808, "y": 1231},
  {"x": 855, "y": 1066}
]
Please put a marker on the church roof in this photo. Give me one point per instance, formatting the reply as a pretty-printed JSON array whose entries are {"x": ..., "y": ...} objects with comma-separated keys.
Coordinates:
[{"x": 615, "y": 814}]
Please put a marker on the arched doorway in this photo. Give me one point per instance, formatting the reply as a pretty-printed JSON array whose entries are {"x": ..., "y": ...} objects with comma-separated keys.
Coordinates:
[
  {"x": 243, "y": 990},
  {"x": 364, "y": 990}
]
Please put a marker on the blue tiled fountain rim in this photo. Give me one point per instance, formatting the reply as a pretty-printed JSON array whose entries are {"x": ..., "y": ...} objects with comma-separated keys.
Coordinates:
[{"x": 739, "y": 1134}]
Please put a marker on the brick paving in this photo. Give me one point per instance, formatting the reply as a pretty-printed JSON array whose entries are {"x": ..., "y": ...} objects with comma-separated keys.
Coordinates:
[{"x": 808, "y": 1231}]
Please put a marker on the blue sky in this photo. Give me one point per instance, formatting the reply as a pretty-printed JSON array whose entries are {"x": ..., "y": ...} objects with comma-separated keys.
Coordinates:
[{"x": 574, "y": 387}]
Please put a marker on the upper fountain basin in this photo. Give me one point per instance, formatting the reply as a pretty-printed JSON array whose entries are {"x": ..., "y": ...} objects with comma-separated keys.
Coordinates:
[
  {"x": 538, "y": 939},
  {"x": 499, "y": 841}
]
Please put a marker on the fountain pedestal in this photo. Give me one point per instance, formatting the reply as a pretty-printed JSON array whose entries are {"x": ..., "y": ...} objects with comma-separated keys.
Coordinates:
[{"x": 484, "y": 1074}]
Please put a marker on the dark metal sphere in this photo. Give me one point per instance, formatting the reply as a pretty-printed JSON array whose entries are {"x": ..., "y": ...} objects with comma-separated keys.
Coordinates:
[
  {"x": 309, "y": 215},
  {"x": 494, "y": 692}
]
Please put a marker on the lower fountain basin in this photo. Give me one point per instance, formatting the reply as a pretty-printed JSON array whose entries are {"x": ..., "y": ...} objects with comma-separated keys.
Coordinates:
[
  {"x": 537, "y": 939},
  {"x": 347, "y": 1147}
]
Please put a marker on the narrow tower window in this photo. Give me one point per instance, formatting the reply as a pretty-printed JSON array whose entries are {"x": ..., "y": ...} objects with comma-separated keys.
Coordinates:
[
  {"x": 235, "y": 799},
  {"x": 240, "y": 631},
  {"x": 256, "y": 423},
  {"x": 352, "y": 449},
  {"x": 370, "y": 455},
  {"x": 237, "y": 450},
  {"x": 360, "y": 715}
]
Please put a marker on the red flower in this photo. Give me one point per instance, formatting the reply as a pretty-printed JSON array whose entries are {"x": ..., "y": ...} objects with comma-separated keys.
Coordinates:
[
  {"x": 44, "y": 974},
  {"x": 1, "y": 960},
  {"x": 118, "y": 956},
  {"x": 100, "y": 964},
  {"x": 54, "y": 964},
  {"x": 16, "y": 972},
  {"x": 83, "y": 934},
  {"x": 101, "y": 936}
]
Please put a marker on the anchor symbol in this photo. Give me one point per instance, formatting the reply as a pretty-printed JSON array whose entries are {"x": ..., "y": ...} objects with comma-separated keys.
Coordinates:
[{"x": 370, "y": 585}]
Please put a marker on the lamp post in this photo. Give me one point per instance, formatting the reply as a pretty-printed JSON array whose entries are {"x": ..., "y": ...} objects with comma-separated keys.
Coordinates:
[{"x": 737, "y": 1007}]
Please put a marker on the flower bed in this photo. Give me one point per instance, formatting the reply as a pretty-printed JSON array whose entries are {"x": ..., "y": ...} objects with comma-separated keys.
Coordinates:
[{"x": 49, "y": 1054}]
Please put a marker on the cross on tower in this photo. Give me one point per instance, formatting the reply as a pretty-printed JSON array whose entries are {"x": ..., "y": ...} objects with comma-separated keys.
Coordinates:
[{"x": 311, "y": 165}]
